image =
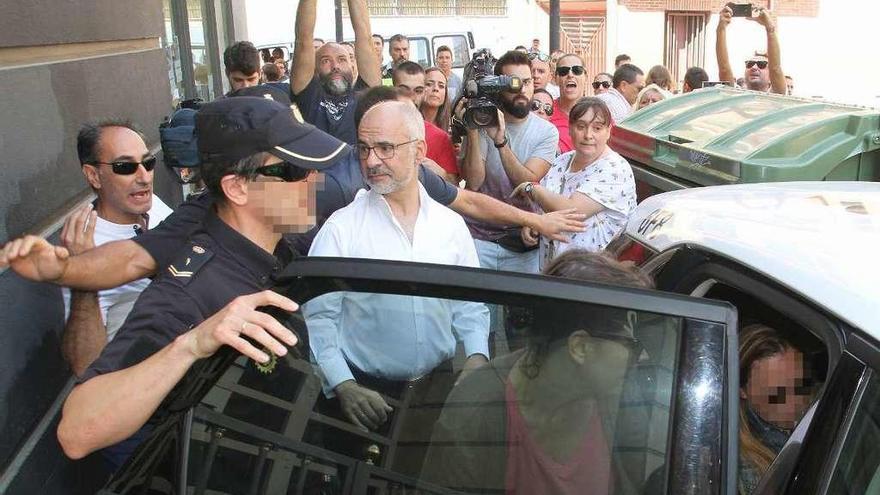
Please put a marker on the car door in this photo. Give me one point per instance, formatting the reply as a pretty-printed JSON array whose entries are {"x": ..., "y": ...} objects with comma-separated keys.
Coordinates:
[{"x": 662, "y": 411}]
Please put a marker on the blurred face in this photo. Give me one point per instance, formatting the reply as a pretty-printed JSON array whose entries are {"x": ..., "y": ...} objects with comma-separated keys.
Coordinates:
[
  {"x": 650, "y": 98},
  {"x": 317, "y": 44},
  {"x": 571, "y": 86},
  {"x": 378, "y": 43},
  {"x": 604, "y": 84},
  {"x": 778, "y": 389},
  {"x": 121, "y": 198},
  {"x": 789, "y": 86},
  {"x": 435, "y": 94},
  {"x": 399, "y": 51},
  {"x": 415, "y": 83},
  {"x": 444, "y": 61},
  {"x": 589, "y": 135},
  {"x": 238, "y": 79},
  {"x": 540, "y": 73},
  {"x": 603, "y": 362},
  {"x": 280, "y": 64},
  {"x": 756, "y": 78},
  {"x": 387, "y": 175},
  {"x": 554, "y": 58},
  {"x": 536, "y": 44},
  {"x": 289, "y": 207},
  {"x": 350, "y": 50},
  {"x": 518, "y": 105},
  {"x": 277, "y": 53},
  {"x": 333, "y": 68},
  {"x": 631, "y": 91},
  {"x": 545, "y": 101}
]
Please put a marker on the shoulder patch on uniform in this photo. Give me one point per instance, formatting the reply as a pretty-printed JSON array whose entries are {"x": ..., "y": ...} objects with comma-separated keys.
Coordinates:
[{"x": 189, "y": 263}]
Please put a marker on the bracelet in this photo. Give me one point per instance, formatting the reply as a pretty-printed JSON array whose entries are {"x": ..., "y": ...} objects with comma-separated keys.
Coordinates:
[{"x": 503, "y": 143}]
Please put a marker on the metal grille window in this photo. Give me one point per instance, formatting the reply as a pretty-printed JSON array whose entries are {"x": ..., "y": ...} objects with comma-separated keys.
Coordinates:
[
  {"x": 435, "y": 8},
  {"x": 685, "y": 42}
]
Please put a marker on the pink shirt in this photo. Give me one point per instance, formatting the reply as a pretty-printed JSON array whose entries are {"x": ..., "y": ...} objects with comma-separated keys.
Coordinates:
[
  {"x": 440, "y": 148},
  {"x": 531, "y": 471},
  {"x": 560, "y": 120}
]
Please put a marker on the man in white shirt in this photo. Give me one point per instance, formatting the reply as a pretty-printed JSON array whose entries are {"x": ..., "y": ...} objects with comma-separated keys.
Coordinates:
[
  {"x": 384, "y": 340},
  {"x": 119, "y": 169},
  {"x": 626, "y": 84}
]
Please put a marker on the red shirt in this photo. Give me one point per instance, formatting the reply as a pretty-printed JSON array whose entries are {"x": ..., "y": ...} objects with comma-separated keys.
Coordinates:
[
  {"x": 530, "y": 470},
  {"x": 440, "y": 148},
  {"x": 560, "y": 120}
]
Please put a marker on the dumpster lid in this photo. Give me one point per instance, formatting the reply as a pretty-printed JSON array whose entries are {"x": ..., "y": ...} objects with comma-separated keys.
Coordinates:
[{"x": 738, "y": 123}]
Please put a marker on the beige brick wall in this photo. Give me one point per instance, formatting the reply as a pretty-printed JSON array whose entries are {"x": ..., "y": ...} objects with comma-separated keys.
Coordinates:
[{"x": 800, "y": 8}]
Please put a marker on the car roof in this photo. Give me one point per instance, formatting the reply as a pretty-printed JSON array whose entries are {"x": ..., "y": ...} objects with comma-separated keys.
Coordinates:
[{"x": 820, "y": 239}]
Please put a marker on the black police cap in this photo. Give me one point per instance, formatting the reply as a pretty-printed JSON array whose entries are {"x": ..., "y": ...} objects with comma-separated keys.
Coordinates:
[{"x": 229, "y": 129}]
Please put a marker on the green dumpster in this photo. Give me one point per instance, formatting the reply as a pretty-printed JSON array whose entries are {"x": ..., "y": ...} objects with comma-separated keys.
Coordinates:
[{"x": 723, "y": 135}]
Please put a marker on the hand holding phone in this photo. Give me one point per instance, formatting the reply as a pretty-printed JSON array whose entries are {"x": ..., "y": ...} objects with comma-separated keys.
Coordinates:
[{"x": 741, "y": 9}]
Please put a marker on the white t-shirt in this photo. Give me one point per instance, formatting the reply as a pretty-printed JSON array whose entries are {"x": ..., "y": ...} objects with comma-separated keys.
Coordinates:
[
  {"x": 608, "y": 181},
  {"x": 117, "y": 302},
  {"x": 553, "y": 90}
]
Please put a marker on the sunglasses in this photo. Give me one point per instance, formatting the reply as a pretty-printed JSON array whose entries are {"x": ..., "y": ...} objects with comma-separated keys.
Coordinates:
[
  {"x": 632, "y": 344},
  {"x": 577, "y": 70},
  {"x": 604, "y": 84},
  {"x": 285, "y": 171},
  {"x": 543, "y": 57},
  {"x": 128, "y": 168},
  {"x": 537, "y": 105},
  {"x": 762, "y": 64}
]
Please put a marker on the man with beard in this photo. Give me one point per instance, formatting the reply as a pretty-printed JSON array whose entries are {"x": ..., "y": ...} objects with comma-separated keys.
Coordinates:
[
  {"x": 763, "y": 71},
  {"x": 322, "y": 84},
  {"x": 571, "y": 77},
  {"x": 366, "y": 345},
  {"x": 520, "y": 149}
]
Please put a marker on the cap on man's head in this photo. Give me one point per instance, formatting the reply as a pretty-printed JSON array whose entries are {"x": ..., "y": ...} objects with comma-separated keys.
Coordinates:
[
  {"x": 264, "y": 91},
  {"x": 230, "y": 129}
]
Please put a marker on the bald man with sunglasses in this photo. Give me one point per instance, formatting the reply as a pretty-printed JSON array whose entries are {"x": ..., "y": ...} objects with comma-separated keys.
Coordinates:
[{"x": 763, "y": 72}]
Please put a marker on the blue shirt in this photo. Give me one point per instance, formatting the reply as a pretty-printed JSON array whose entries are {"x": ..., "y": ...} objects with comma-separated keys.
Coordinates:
[{"x": 392, "y": 336}]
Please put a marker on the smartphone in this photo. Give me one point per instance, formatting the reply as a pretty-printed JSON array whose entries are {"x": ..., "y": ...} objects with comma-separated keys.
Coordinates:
[{"x": 741, "y": 9}]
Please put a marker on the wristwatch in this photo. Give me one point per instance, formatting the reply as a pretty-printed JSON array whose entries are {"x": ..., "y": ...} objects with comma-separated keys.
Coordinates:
[
  {"x": 528, "y": 187},
  {"x": 502, "y": 144}
]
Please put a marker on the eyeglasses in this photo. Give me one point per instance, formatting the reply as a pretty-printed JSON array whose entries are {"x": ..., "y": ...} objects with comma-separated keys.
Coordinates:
[
  {"x": 543, "y": 57},
  {"x": 547, "y": 107},
  {"x": 285, "y": 171},
  {"x": 577, "y": 70},
  {"x": 762, "y": 64},
  {"x": 128, "y": 168},
  {"x": 604, "y": 84},
  {"x": 384, "y": 151}
]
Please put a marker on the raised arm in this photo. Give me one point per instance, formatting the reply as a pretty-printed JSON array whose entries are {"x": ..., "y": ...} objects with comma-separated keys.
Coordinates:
[
  {"x": 774, "y": 57},
  {"x": 473, "y": 166},
  {"x": 304, "y": 50},
  {"x": 724, "y": 71},
  {"x": 367, "y": 67}
]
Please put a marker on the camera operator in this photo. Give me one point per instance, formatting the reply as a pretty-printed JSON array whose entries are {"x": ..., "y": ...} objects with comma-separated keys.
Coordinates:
[
  {"x": 518, "y": 149},
  {"x": 762, "y": 72}
]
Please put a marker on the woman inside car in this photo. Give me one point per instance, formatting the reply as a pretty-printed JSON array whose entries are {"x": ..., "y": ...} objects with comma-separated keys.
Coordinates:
[
  {"x": 542, "y": 419},
  {"x": 592, "y": 178},
  {"x": 776, "y": 388}
]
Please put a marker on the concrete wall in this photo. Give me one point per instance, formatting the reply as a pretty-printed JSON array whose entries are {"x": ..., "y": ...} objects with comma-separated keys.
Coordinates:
[
  {"x": 61, "y": 63},
  {"x": 821, "y": 53}
]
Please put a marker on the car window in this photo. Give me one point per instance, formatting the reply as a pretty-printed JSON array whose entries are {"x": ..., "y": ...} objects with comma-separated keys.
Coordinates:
[
  {"x": 577, "y": 387},
  {"x": 858, "y": 467},
  {"x": 420, "y": 51},
  {"x": 459, "y": 46}
]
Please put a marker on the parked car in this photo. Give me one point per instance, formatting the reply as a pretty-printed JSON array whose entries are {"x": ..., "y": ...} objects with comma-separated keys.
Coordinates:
[{"x": 788, "y": 255}]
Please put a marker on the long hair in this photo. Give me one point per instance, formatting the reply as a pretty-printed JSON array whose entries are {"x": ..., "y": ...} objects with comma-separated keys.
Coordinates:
[
  {"x": 441, "y": 120},
  {"x": 756, "y": 342}
]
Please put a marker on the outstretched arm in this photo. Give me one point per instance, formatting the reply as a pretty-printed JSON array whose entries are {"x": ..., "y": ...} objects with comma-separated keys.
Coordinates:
[
  {"x": 303, "y": 50},
  {"x": 724, "y": 71},
  {"x": 363, "y": 45},
  {"x": 774, "y": 57}
]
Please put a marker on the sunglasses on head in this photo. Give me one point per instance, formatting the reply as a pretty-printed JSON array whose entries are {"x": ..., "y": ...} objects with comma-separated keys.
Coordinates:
[
  {"x": 543, "y": 57},
  {"x": 537, "y": 105},
  {"x": 285, "y": 171},
  {"x": 128, "y": 168},
  {"x": 577, "y": 70},
  {"x": 762, "y": 64},
  {"x": 604, "y": 84}
]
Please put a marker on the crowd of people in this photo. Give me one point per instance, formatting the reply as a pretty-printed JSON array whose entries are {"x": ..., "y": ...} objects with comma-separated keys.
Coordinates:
[{"x": 540, "y": 190}]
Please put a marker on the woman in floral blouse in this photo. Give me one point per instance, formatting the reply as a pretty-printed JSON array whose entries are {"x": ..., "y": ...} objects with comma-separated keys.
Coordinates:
[{"x": 591, "y": 178}]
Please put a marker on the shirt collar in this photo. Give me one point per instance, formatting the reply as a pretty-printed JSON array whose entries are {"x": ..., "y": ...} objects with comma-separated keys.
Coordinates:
[{"x": 252, "y": 257}]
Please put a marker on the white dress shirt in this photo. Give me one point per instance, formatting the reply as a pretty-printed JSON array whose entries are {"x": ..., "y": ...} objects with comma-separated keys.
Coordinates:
[
  {"x": 394, "y": 337},
  {"x": 617, "y": 104}
]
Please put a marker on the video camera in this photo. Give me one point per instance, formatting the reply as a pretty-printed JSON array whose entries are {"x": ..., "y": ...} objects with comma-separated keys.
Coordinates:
[{"x": 481, "y": 88}]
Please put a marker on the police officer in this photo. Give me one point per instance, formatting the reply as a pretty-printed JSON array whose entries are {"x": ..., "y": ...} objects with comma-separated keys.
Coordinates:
[{"x": 256, "y": 156}]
